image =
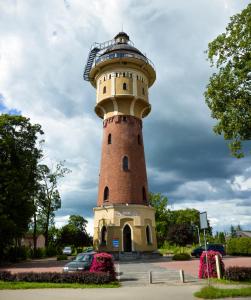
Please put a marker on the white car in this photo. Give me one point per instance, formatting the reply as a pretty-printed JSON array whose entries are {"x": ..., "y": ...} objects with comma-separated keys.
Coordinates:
[{"x": 67, "y": 250}]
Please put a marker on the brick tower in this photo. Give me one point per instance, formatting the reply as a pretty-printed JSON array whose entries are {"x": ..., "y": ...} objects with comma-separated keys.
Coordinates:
[{"x": 123, "y": 219}]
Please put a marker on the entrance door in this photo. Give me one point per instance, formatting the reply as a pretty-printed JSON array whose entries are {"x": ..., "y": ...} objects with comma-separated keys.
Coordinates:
[{"x": 127, "y": 239}]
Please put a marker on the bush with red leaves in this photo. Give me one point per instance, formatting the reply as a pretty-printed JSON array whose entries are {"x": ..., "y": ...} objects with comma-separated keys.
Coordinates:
[
  {"x": 211, "y": 264},
  {"x": 103, "y": 262}
]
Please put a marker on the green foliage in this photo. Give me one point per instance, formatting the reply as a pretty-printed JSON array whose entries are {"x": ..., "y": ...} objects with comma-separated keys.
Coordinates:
[
  {"x": 180, "y": 234},
  {"x": 62, "y": 257},
  {"x": 228, "y": 93},
  {"x": 211, "y": 292},
  {"x": 19, "y": 155},
  {"x": 165, "y": 219},
  {"x": 49, "y": 198},
  {"x": 169, "y": 249},
  {"x": 45, "y": 285},
  {"x": 181, "y": 256},
  {"x": 219, "y": 238},
  {"x": 239, "y": 246},
  {"x": 74, "y": 233}
]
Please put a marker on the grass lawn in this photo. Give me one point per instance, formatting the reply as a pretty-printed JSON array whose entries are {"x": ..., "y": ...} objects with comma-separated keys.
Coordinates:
[
  {"x": 226, "y": 281},
  {"x": 214, "y": 293},
  {"x": 5, "y": 285}
]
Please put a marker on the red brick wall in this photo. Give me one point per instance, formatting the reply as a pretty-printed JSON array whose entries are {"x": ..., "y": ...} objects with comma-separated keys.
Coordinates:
[{"x": 124, "y": 186}]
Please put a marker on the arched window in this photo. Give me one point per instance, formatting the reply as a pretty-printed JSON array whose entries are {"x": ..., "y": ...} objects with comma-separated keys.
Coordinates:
[
  {"x": 103, "y": 235},
  {"x": 116, "y": 74},
  {"x": 124, "y": 75},
  {"x": 143, "y": 91},
  {"x": 104, "y": 78},
  {"x": 137, "y": 77},
  {"x": 109, "y": 138},
  {"x": 125, "y": 163},
  {"x": 110, "y": 76},
  {"x": 106, "y": 193},
  {"x": 124, "y": 86},
  {"x": 104, "y": 89},
  {"x": 130, "y": 75},
  {"x": 139, "y": 139},
  {"x": 148, "y": 235},
  {"x": 144, "y": 195},
  {"x": 124, "y": 119}
]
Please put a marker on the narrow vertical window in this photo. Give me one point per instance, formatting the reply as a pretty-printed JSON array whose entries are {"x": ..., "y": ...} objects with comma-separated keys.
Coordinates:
[
  {"x": 104, "y": 89},
  {"x": 124, "y": 86},
  {"x": 139, "y": 139},
  {"x": 144, "y": 195},
  {"x": 103, "y": 235},
  {"x": 110, "y": 76},
  {"x": 125, "y": 163},
  {"x": 143, "y": 91},
  {"x": 106, "y": 193},
  {"x": 148, "y": 235},
  {"x": 104, "y": 78},
  {"x": 109, "y": 138},
  {"x": 124, "y": 75}
]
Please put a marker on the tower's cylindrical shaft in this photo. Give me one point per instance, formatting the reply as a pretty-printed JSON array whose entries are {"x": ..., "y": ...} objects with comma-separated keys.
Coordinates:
[{"x": 123, "y": 178}]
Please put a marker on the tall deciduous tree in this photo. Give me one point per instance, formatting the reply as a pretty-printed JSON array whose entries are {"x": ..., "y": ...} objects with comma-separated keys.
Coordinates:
[
  {"x": 74, "y": 233},
  {"x": 49, "y": 198},
  {"x": 19, "y": 155},
  {"x": 228, "y": 93}
]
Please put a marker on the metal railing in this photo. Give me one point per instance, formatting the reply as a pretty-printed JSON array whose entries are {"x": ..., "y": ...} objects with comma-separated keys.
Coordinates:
[{"x": 121, "y": 55}]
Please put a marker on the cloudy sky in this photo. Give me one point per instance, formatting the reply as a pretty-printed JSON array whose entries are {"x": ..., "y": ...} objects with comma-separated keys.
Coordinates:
[{"x": 43, "y": 49}]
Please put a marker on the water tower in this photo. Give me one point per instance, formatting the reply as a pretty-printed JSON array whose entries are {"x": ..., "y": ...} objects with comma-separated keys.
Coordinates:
[{"x": 123, "y": 219}]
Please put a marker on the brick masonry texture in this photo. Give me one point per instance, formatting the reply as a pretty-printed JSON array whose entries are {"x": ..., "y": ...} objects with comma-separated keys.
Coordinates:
[{"x": 124, "y": 186}]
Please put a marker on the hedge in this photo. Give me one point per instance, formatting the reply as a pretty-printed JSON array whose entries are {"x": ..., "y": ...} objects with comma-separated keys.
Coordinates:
[
  {"x": 54, "y": 277},
  {"x": 239, "y": 246},
  {"x": 181, "y": 256},
  {"x": 238, "y": 273}
]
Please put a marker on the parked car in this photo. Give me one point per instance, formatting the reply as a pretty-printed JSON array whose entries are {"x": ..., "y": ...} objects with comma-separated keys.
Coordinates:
[
  {"x": 67, "y": 250},
  {"x": 82, "y": 262},
  {"x": 215, "y": 247}
]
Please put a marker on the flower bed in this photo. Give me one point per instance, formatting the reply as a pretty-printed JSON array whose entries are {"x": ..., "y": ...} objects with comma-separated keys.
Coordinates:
[{"x": 203, "y": 273}]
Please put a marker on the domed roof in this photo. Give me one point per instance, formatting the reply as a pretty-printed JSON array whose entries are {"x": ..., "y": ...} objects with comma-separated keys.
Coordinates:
[
  {"x": 122, "y": 47},
  {"x": 121, "y": 44}
]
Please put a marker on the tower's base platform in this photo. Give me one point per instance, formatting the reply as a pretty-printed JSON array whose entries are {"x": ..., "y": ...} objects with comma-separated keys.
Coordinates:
[{"x": 126, "y": 229}]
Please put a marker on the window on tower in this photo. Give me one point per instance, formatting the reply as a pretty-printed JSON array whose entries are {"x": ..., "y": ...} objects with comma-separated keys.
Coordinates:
[
  {"x": 103, "y": 236},
  {"x": 148, "y": 235},
  {"x": 106, "y": 193},
  {"x": 139, "y": 140},
  {"x": 143, "y": 91},
  {"x": 144, "y": 195},
  {"x": 125, "y": 163},
  {"x": 109, "y": 138},
  {"x": 124, "y": 86},
  {"x": 110, "y": 76},
  {"x": 104, "y": 89},
  {"x": 124, "y": 75}
]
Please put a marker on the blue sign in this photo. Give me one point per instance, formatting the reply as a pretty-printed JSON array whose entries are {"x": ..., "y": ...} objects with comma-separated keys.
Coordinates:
[{"x": 115, "y": 243}]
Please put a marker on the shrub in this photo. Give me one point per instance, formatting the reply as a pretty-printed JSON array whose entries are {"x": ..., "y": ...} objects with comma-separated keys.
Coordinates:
[
  {"x": 79, "y": 250},
  {"x": 211, "y": 264},
  {"x": 181, "y": 256},
  {"x": 103, "y": 262},
  {"x": 62, "y": 257},
  {"x": 40, "y": 253},
  {"x": 239, "y": 246},
  {"x": 51, "y": 251},
  {"x": 16, "y": 254},
  {"x": 238, "y": 273},
  {"x": 78, "y": 277}
]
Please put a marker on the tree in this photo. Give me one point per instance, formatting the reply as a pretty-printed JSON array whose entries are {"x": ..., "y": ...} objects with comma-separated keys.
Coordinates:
[
  {"x": 49, "y": 197},
  {"x": 180, "y": 234},
  {"x": 228, "y": 93},
  {"x": 74, "y": 233},
  {"x": 162, "y": 215},
  {"x": 19, "y": 156}
]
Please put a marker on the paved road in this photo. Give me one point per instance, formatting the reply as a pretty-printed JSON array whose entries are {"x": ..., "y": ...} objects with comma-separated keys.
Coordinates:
[
  {"x": 158, "y": 292},
  {"x": 137, "y": 273}
]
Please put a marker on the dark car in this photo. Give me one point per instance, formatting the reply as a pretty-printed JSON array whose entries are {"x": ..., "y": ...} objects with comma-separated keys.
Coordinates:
[
  {"x": 82, "y": 262},
  {"x": 215, "y": 247}
]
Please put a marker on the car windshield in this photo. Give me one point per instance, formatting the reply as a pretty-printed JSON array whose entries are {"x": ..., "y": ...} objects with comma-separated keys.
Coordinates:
[{"x": 83, "y": 257}]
